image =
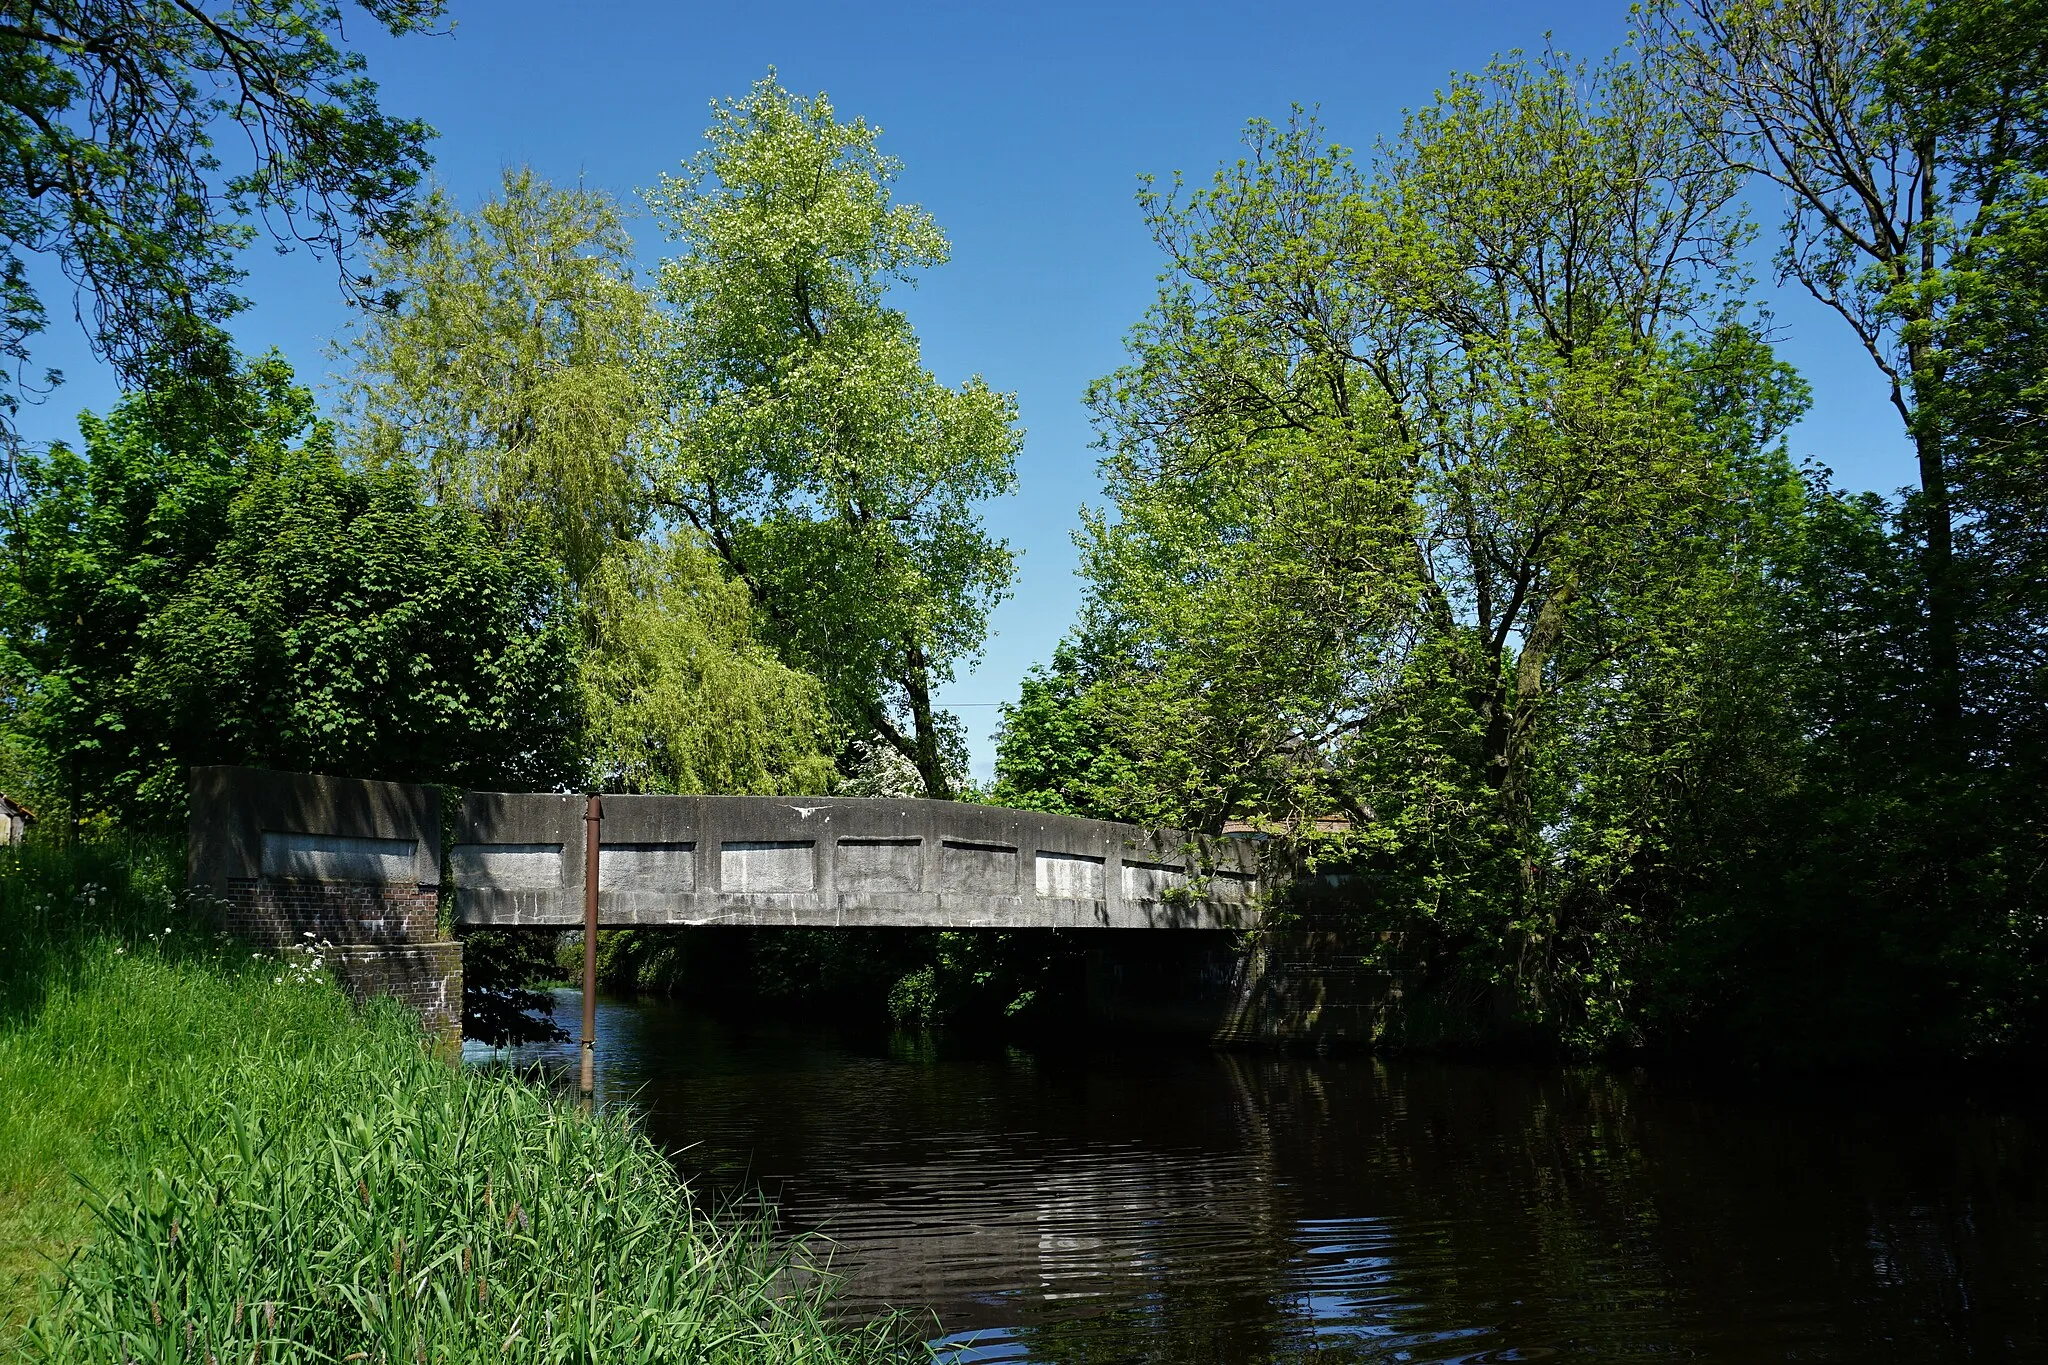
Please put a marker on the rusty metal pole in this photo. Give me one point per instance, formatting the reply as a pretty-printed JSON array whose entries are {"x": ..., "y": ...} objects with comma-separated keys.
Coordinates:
[{"x": 593, "y": 816}]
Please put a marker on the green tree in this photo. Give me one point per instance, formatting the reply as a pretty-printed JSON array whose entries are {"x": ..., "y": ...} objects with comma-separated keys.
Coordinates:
[
  {"x": 505, "y": 368},
  {"x": 1053, "y": 751},
  {"x": 1908, "y": 139},
  {"x": 108, "y": 110},
  {"x": 500, "y": 1006},
  {"x": 96, "y": 546},
  {"x": 210, "y": 584},
  {"x": 679, "y": 695},
  {"x": 1446, "y": 498},
  {"x": 511, "y": 374},
  {"x": 1898, "y": 131},
  {"x": 1976, "y": 78},
  {"x": 800, "y": 433}
]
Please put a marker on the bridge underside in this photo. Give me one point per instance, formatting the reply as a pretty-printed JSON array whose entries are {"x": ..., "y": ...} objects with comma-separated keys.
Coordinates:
[{"x": 827, "y": 863}]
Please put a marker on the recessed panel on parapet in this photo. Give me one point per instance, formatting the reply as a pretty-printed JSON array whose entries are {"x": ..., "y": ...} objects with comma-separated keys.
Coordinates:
[
  {"x": 507, "y": 867},
  {"x": 881, "y": 866},
  {"x": 647, "y": 868},
  {"x": 337, "y": 858},
  {"x": 767, "y": 866},
  {"x": 1069, "y": 877},
  {"x": 1152, "y": 881},
  {"x": 1233, "y": 886},
  {"x": 975, "y": 869}
]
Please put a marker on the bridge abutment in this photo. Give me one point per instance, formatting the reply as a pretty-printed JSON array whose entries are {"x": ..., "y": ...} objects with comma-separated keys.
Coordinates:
[
  {"x": 1306, "y": 984},
  {"x": 344, "y": 869}
]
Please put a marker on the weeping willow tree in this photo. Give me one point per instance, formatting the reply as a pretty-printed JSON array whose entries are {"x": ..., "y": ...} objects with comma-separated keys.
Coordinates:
[
  {"x": 502, "y": 366},
  {"x": 679, "y": 695},
  {"x": 507, "y": 369}
]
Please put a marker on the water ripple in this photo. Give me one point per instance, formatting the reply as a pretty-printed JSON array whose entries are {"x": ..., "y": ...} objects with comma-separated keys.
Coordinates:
[{"x": 1189, "y": 1207}]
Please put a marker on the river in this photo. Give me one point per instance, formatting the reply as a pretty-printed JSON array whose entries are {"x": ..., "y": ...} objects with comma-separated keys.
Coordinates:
[{"x": 1172, "y": 1203}]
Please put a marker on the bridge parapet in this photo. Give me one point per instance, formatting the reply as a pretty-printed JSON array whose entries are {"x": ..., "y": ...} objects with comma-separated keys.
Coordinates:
[{"x": 838, "y": 862}]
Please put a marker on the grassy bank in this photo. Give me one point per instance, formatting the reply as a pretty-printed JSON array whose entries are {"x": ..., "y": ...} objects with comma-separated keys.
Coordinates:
[{"x": 208, "y": 1155}]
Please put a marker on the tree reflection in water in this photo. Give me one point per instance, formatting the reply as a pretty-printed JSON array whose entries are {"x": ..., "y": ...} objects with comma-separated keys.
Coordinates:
[{"x": 1182, "y": 1205}]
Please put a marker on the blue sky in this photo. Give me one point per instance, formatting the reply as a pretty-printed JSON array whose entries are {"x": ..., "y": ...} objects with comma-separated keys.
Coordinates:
[{"x": 1022, "y": 129}]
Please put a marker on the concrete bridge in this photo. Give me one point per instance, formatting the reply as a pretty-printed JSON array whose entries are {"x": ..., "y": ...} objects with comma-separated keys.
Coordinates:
[
  {"x": 356, "y": 867},
  {"x": 827, "y": 862},
  {"x": 355, "y": 871}
]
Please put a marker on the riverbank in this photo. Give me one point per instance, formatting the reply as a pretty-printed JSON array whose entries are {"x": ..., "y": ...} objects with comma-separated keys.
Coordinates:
[{"x": 206, "y": 1153}]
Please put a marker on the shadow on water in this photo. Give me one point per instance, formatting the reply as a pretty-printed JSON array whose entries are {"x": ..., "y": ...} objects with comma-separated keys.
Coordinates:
[{"x": 1177, "y": 1204}]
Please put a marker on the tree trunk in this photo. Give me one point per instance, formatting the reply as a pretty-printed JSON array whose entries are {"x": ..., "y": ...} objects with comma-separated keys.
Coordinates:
[
  {"x": 1943, "y": 662},
  {"x": 1512, "y": 737},
  {"x": 1944, "y": 610},
  {"x": 930, "y": 761}
]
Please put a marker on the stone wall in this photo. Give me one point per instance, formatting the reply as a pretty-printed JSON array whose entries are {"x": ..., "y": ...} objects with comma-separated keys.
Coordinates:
[
  {"x": 348, "y": 866},
  {"x": 426, "y": 977}
]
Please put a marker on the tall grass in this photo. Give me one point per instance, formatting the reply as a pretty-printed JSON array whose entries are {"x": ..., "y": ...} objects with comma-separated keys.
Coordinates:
[
  {"x": 104, "y": 986},
  {"x": 216, "y": 1158}
]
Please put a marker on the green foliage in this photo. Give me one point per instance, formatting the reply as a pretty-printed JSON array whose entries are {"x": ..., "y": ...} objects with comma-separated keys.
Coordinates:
[
  {"x": 96, "y": 548},
  {"x": 1452, "y": 499},
  {"x": 1054, "y": 752},
  {"x": 628, "y": 960},
  {"x": 1446, "y": 499},
  {"x": 505, "y": 368},
  {"x": 385, "y": 1205},
  {"x": 271, "y": 1170},
  {"x": 1899, "y": 907},
  {"x": 799, "y": 432},
  {"x": 1976, "y": 81},
  {"x": 109, "y": 116},
  {"x": 829, "y": 970},
  {"x": 1906, "y": 137},
  {"x": 511, "y": 373},
  {"x": 679, "y": 696},
  {"x": 979, "y": 977},
  {"x": 371, "y": 633},
  {"x": 500, "y": 1006},
  {"x": 209, "y": 583}
]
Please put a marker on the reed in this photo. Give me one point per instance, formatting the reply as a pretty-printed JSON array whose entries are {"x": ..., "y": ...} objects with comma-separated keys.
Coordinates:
[{"x": 221, "y": 1160}]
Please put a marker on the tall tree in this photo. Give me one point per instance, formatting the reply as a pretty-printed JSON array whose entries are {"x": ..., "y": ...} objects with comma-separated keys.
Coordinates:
[
  {"x": 505, "y": 367},
  {"x": 511, "y": 373},
  {"x": 209, "y": 583},
  {"x": 1975, "y": 76},
  {"x": 1427, "y": 480},
  {"x": 1898, "y": 173},
  {"x": 802, "y": 435},
  {"x": 108, "y": 111}
]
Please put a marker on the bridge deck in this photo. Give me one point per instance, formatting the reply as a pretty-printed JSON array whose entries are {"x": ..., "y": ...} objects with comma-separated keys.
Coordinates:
[{"x": 818, "y": 861}]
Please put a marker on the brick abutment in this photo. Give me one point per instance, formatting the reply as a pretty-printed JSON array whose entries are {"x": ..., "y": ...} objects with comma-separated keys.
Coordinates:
[
  {"x": 346, "y": 868},
  {"x": 375, "y": 940}
]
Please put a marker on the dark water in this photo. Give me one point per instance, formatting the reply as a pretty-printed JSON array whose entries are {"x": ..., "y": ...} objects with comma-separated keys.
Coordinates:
[{"x": 1177, "y": 1204}]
